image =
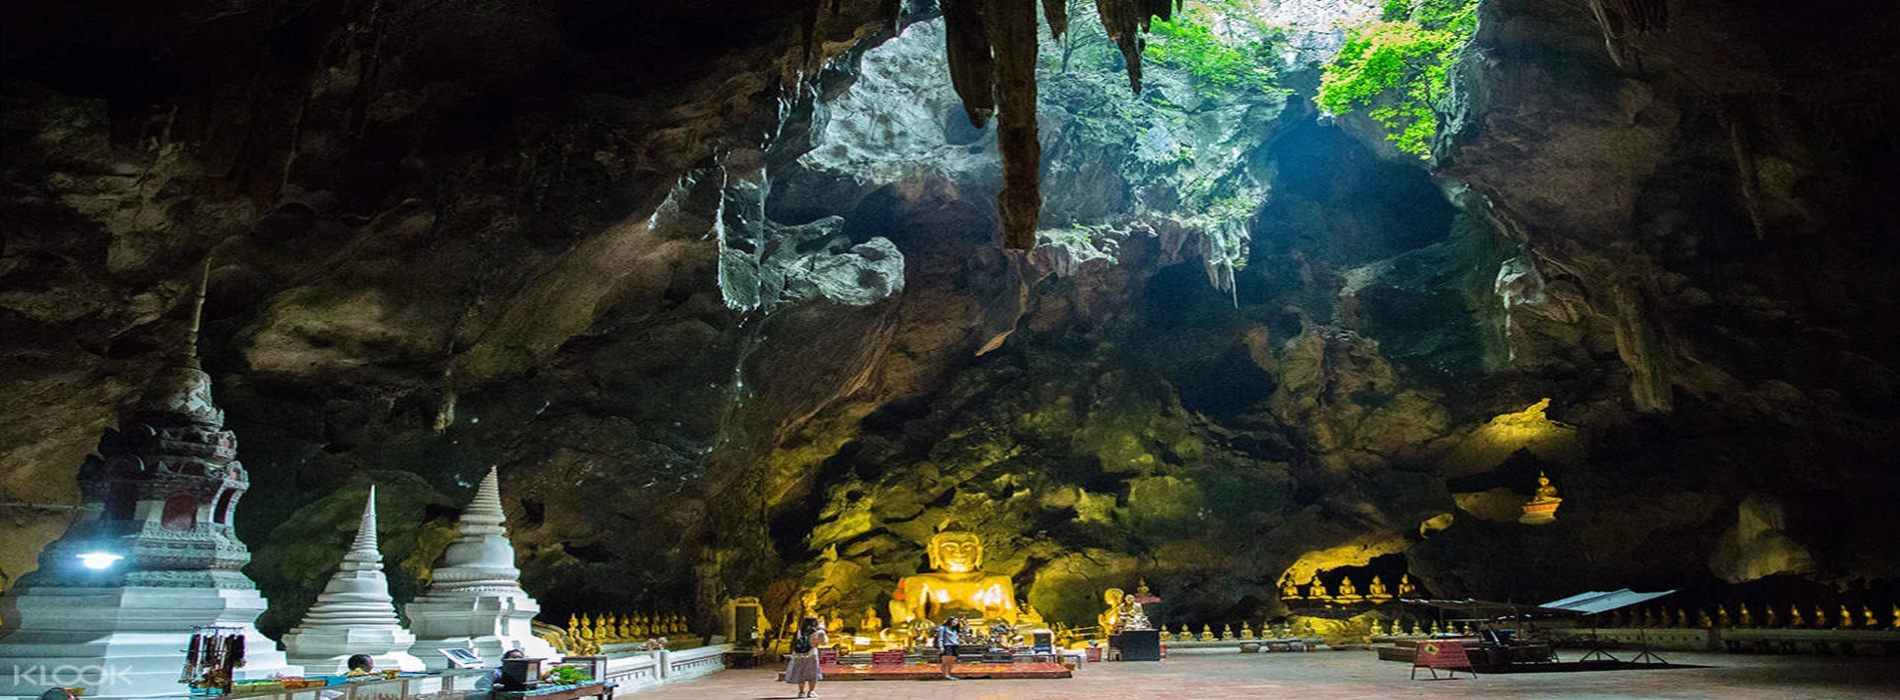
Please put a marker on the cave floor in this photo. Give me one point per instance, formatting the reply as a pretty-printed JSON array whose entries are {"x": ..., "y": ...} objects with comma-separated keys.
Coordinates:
[{"x": 1354, "y": 674}]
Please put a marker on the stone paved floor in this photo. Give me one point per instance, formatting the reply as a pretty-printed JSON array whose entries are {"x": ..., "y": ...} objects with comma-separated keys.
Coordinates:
[{"x": 1353, "y": 674}]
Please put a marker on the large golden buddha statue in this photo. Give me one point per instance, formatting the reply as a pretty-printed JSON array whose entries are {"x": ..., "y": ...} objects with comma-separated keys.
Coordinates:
[{"x": 956, "y": 586}]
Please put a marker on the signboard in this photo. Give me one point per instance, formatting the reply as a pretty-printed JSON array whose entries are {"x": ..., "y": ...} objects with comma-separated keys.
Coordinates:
[
  {"x": 1145, "y": 599},
  {"x": 1434, "y": 655},
  {"x": 887, "y": 658},
  {"x": 827, "y": 656}
]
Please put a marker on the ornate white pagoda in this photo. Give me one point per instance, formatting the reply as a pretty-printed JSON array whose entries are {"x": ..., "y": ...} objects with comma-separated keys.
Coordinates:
[
  {"x": 474, "y": 600},
  {"x": 354, "y": 614},
  {"x": 151, "y": 555}
]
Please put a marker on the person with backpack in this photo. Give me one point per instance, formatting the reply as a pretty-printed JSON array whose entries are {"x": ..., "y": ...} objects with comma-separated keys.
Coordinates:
[
  {"x": 802, "y": 667},
  {"x": 949, "y": 637}
]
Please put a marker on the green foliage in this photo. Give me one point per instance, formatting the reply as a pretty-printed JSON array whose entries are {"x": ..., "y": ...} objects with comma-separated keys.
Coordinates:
[
  {"x": 1222, "y": 44},
  {"x": 1400, "y": 68}
]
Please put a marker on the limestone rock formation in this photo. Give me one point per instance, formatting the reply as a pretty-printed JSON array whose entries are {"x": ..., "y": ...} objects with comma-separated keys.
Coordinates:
[{"x": 729, "y": 274}]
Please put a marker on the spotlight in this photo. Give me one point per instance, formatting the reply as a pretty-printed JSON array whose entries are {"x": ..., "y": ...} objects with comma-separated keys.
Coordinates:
[{"x": 99, "y": 560}]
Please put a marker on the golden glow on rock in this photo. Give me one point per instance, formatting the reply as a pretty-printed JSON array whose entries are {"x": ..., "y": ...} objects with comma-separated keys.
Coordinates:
[
  {"x": 1498, "y": 505},
  {"x": 1435, "y": 523},
  {"x": 1488, "y": 446},
  {"x": 1357, "y": 554}
]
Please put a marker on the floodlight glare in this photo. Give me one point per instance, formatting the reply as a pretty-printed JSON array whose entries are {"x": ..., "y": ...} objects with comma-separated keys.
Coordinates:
[{"x": 99, "y": 560}]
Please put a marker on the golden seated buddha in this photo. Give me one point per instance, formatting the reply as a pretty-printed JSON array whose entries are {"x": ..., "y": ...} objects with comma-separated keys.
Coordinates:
[{"x": 956, "y": 586}]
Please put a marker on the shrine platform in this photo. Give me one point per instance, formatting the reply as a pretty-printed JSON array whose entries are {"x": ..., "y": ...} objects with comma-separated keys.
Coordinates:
[{"x": 1022, "y": 670}]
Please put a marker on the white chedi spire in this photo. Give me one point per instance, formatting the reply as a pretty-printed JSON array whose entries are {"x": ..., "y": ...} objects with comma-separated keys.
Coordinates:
[
  {"x": 480, "y": 558},
  {"x": 354, "y": 614},
  {"x": 474, "y": 600}
]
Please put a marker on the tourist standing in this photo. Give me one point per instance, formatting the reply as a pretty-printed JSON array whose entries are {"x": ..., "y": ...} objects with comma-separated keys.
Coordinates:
[
  {"x": 949, "y": 637},
  {"x": 802, "y": 667}
]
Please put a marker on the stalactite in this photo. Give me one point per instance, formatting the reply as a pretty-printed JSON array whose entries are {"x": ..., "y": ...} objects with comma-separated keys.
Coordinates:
[
  {"x": 1126, "y": 21},
  {"x": 1734, "y": 118},
  {"x": 1056, "y": 13},
  {"x": 991, "y": 47},
  {"x": 1620, "y": 18},
  {"x": 967, "y": 46},
  {"x": 1012, "y": 30}
]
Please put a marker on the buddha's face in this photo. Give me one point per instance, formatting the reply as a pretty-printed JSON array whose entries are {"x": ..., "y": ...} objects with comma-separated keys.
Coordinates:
[{"x": 956, "y": 552}]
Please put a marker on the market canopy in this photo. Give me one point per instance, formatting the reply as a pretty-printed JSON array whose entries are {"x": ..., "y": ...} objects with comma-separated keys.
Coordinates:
[{"x": 1604, "y": 601}]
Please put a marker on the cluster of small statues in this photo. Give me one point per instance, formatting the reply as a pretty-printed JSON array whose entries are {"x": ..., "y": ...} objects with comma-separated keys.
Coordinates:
[
  {"x": 1815, "y": 617},
  {"x": 587, "y": 633},
  {"x": 1124, "y": 611},
  {"x": 1346, "y": 592}
]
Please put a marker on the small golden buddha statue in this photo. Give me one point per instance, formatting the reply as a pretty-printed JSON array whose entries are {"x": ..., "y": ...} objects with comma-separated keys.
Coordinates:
[
  {"x": 1376, "y": 591},
  {"x": 1317, "y": 590},
  {"x": 1867, "y": 618},
  {"x": 1721, "y": 616},
  {"x": 871, "y": 622},
  {"x": 1847, "y": 617},
  {"x": 1032, "y": 618},
  {"x": 1542, "y": 508},
  {"x": 1348, "y": 593},
  {"x": 1682, "y": 618},
  {"x": 1649, "y": 617},
  {"x": 1794, "y": 617},
  {"x": 1288, "y": 589},
  {"x": 1405, "y": 585},
  {"x": 1702, "y": 619},
  {"x": 1894, "y": 619},
  {"x": 1246, "y": 631},
  {"x": 1184, "y": 635},
  {"x": 956, "y": 585},
  {"x": 1748, "y": 619},
  {"x": 1820, "y": 617},
  {"x": 1110, "y": 621},
  {"x": 1769, "y": 610},
  {"x": 1226, "y": 632},
  {"x": 1434, "y": 630}
]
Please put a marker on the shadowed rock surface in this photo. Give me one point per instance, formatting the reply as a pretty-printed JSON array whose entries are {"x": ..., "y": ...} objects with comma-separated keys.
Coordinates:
[{"x": 721, "y": 288}]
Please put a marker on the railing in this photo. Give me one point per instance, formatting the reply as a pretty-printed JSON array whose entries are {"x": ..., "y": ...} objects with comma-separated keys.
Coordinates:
[
  {"x": 693, "y": 663},
  {"x": 635, "y": 670},
  {"x": 629, "y": 671}
]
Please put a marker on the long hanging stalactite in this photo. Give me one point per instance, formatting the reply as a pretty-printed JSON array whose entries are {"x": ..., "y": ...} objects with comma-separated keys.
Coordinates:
[{"x": 992, "y": 49}]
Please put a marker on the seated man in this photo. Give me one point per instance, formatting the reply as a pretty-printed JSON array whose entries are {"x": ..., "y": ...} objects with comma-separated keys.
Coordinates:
[{"x": 493, "y": 676}]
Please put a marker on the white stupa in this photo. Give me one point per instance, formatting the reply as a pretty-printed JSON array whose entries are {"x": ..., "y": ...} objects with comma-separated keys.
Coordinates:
[
  {"x": 151, "y": 555},
  {"x": 474, "y": 600},
  {"x": 354, "y": 614}
]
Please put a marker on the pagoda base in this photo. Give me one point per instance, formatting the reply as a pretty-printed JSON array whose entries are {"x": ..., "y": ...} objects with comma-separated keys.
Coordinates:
[
  {"x": 328, "y": 651},
  {"x": 122, "y": 641},
  {"x": 487, "y": 624}
]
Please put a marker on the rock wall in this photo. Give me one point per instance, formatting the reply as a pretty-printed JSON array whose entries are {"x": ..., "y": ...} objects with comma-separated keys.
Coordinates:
[{"x": 721, "y": 291}]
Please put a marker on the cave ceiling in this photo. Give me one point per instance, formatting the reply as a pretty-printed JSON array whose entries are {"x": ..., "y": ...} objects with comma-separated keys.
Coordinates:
[{"x": 735, "y": 276}]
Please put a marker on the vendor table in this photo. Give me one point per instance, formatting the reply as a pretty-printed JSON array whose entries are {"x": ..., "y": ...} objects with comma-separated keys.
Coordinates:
[{"x": 597, "y": 689}]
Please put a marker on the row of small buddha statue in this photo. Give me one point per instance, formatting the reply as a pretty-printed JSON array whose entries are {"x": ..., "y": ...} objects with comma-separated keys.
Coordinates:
[
  {"x": 1817, "y": 618},
  {"x": 587, "y": 633},
  {"x": 1391, "y": 628},
  {"x": 1346, "y": 592},
  {"x": 1226, "y": 633}
]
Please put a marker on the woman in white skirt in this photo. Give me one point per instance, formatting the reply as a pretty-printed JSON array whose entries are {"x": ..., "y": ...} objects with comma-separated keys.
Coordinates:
[{"x": 802, "y": 666}]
